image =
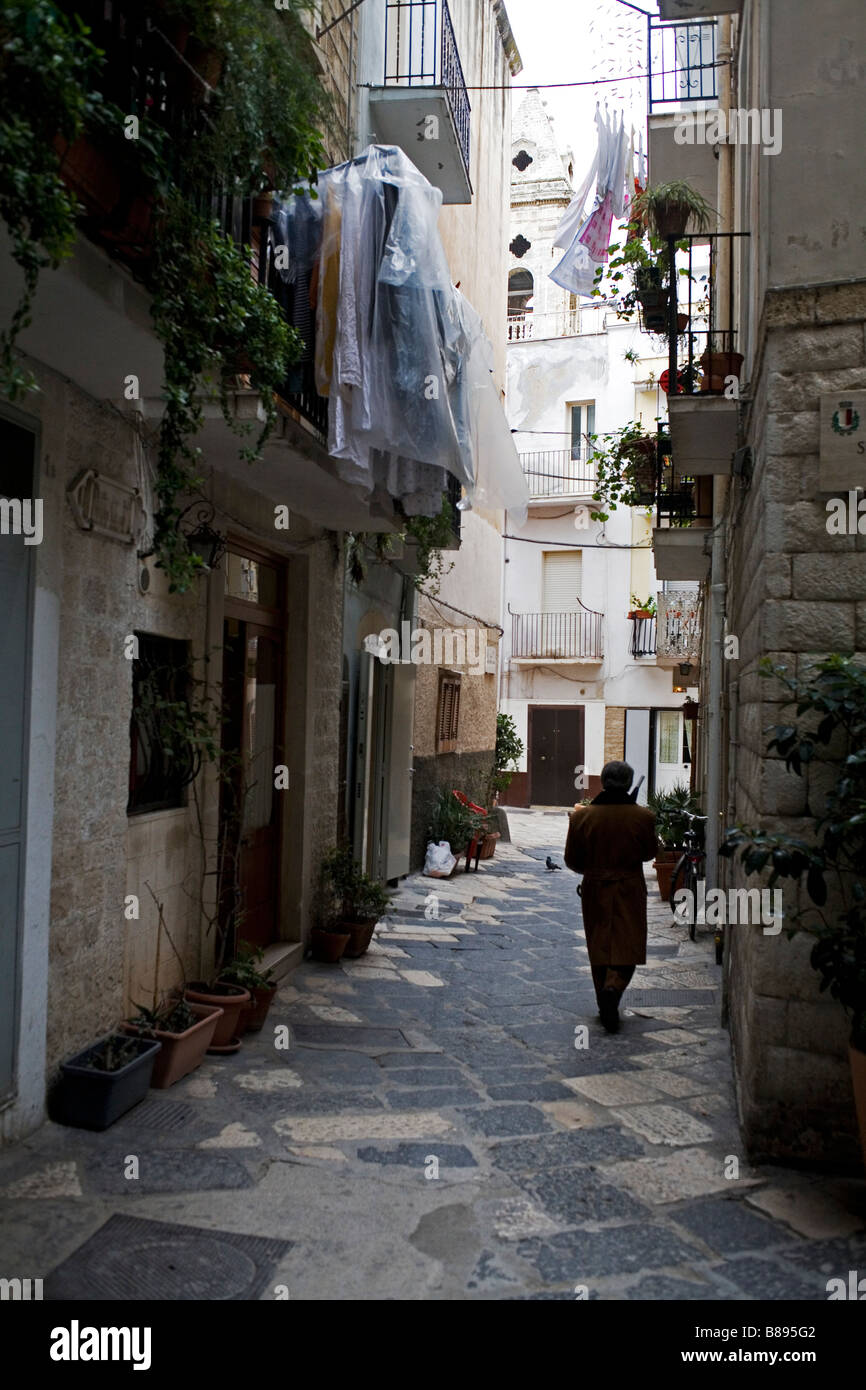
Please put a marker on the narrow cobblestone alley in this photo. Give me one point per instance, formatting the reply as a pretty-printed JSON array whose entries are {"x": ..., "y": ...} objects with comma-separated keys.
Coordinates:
[{"x": 600, "y": 1171}]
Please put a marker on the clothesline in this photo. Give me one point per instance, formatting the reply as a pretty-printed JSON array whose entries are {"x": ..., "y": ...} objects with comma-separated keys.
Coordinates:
[{"x": 584, "y": 82}]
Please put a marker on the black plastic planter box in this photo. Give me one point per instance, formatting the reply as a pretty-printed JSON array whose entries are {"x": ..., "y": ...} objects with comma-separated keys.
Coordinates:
[{"x": 92, "y": 1099}]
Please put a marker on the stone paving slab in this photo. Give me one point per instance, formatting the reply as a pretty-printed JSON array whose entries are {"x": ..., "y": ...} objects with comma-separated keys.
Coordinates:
[{"x": 450, "y": 1121}]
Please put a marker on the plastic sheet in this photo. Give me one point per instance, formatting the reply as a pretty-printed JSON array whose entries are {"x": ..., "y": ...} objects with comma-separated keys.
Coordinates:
[{"x": 400, "y": 354}]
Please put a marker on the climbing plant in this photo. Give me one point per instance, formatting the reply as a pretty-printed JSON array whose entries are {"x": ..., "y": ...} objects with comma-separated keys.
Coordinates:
[
  {"x": 257, "y": 110},
  {"x": 829, "y": 858},
  {"x": 46, "y": 65}
]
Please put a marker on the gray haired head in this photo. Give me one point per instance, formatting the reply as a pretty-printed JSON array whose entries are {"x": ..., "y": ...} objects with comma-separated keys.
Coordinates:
[{"x": 617, "y": 777}]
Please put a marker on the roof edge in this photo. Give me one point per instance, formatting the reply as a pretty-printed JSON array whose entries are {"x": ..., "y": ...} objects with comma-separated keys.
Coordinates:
[{"x": 503, "y": 24}]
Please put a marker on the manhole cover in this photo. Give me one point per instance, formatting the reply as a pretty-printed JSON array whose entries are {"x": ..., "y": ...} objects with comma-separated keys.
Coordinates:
[
  {"x": 349, "y": 1035},
  {"x": 131, "y": 1258}
]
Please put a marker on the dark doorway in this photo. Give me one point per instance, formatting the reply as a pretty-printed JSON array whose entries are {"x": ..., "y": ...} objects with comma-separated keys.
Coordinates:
[{"x": 555, "y": 752}]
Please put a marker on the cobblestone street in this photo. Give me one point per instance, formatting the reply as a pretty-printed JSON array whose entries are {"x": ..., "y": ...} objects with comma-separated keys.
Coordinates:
[{"x": 449, "y": 1046}]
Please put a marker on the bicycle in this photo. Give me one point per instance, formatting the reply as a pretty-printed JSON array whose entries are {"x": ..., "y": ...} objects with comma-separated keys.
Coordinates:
[{"x": 690, "y": 868}]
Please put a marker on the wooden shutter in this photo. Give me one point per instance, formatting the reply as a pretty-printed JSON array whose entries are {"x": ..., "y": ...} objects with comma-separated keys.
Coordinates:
[{"x": 448, "y": 713}]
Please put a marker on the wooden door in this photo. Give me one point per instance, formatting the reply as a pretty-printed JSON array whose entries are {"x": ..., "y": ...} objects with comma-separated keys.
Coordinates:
[
  {"x": 555, "y": 751},
  {"x": 258, "y": 861},
  {"x": 253, "y": 698}
]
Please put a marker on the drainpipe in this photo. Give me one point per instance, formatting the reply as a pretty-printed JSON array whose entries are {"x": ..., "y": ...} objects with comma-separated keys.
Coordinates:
[{"x": 718, "y": 570}]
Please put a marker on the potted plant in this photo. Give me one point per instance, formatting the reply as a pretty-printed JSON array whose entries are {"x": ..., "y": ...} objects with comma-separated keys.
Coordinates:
[
  {"x": 670, "y": 809},
  {"x": 716, "y": 365},
  {"x": 105, "y": 1080},
  {"x": 626, "y": 468},
  {"x": 185, "y": 1031},
  {"x": 358, "y": 901},
  {"x": 456, "y": 823},
  {"x": 669, "y": 208},
  {"x": 507, "y": 754},
  {"x": 830, "y": 705},
  {"x": 232, "y": 1000},
  {"x": 642, "y": 608},
  {"x": 244, "y": 970}
]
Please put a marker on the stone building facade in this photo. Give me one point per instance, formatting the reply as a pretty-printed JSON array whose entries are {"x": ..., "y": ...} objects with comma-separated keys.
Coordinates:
[
  {"x": 87, "y": 863},
  {"x": 583, "y": 681},
  {"x": 779, "y": 582}
]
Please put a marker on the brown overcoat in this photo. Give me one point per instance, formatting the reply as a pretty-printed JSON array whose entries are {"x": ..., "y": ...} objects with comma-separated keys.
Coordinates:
[{"x": 607, "y": 843}]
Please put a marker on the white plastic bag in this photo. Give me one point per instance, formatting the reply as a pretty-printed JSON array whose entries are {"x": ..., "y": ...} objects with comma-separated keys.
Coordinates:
[{"x": 439, "y": 861}]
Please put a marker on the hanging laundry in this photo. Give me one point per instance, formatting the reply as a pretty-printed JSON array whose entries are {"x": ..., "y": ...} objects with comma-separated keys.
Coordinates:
[
  {"x": 399, "y": 353},
  {"x": 586, "y": 239}
]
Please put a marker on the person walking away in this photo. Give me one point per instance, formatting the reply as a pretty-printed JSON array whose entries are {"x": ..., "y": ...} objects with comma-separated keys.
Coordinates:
[{"x": 608, "y": 842}]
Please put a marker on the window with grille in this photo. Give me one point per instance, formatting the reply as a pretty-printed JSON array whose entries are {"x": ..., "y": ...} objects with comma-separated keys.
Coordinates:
[
  {"x": 162, "y": 761},
  {"x": 448, "y": 713}
]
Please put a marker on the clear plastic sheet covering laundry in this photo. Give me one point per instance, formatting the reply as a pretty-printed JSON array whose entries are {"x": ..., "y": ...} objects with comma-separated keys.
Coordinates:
[{"x": 400, "y": 355}]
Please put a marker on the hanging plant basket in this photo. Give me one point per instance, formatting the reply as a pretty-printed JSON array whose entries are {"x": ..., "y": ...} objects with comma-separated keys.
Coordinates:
[{"x": 639, "y": 458}]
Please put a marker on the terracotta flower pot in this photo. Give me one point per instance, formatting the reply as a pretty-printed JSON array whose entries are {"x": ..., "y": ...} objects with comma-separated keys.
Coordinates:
[
  {"x": 858, "y": 1077},
  {"x": 360, "y": 936},
  {"x": 230, "y": 998},
  {"x": 664, "y": 873},
  {"x": 181, "y": 1053},
  {"x": 253, "y": 1017},
  {"x": 671, "y": 219},
  {"x": 328, "y": 945},
  {"x": 716, "y": 366}
]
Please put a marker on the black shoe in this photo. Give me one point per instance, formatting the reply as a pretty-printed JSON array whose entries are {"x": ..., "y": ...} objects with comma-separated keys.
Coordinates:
[{"x": 608, "y": 1010}]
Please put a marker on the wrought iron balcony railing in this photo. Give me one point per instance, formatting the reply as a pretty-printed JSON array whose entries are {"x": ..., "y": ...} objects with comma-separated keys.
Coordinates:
[
  {"x": 681, "y": 61},
  {"x": 421, "y": 51},
  {"x": 701, "y": 330},
  {"x": 573, "y": 636},
  {"x": 679, "y": 624},
  {"x": 643, "y": 637},
  {"x": 559, "y": 472}
]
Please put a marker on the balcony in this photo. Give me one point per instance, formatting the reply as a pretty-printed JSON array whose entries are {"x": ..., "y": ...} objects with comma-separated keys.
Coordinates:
[
  {"x": 560, "y": 474},
  {"x": 678, "y": 627},
  {"x": 681, "y": 65},
  {"x": 534, "y": 327},
  {"x": 704, "y": 413},
  {"x": 574, "y": 637},
  {"x": 567, "y": 323},
  {"x": 423, "y": 105},
  {"x": 693, "y": 9},
  {"x": 643, "y": 637},
  {"x": 681, "y": 62}
]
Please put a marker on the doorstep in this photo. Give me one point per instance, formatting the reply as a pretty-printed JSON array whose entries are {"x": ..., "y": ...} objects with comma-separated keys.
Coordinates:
[{"x": 282, "y": 957}]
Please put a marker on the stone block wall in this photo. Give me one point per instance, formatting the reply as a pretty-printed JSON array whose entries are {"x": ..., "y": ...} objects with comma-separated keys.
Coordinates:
[
  {"x": 795, "y": 593},
  {"x": 614, "y": 733}
]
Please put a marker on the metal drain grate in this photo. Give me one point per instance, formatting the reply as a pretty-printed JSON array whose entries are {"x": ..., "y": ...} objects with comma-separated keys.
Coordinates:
[
  {"x": 133, "y": 1258},
  {"x": 160, "y": 1114},
  {"x": 670, "y": 998},
  {"x": 350, "y": 1035}
]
